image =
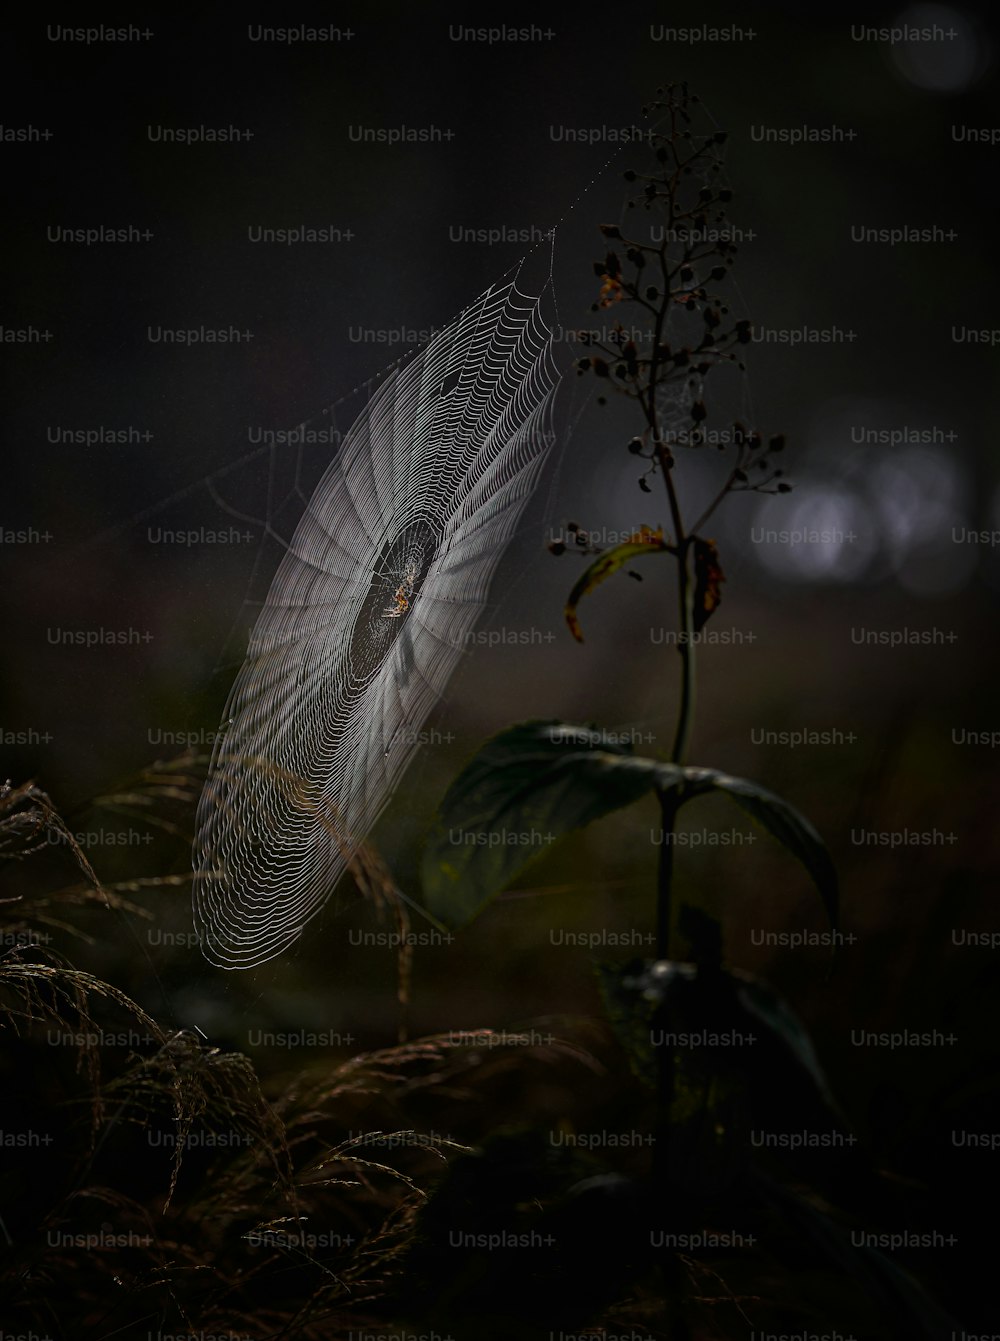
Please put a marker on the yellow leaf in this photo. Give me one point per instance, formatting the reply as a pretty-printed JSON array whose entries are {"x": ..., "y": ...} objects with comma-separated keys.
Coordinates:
[
  {"x": 644, "y": 541},
  {"x": 708, "y": 581}
]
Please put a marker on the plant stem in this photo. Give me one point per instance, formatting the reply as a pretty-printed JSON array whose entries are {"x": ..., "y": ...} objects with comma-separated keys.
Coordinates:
[
  {"x": 669, "y": 798},
  {"x": 665, "y": 875},
  {"x": 685, "y": 595}
]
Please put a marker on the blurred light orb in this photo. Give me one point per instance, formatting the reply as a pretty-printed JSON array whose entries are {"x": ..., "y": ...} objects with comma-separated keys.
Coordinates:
[
  {"x": 920, "y": 494},
  {"x": 825, "y": 534},
  {"x": 949, "y": 61}
]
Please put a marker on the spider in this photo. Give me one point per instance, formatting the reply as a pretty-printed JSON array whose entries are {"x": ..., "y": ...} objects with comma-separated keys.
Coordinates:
[{"x": 401, "y": 596}]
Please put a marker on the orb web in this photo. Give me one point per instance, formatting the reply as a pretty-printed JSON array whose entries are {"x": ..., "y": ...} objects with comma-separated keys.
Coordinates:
[{"x": 365, "y": 620}]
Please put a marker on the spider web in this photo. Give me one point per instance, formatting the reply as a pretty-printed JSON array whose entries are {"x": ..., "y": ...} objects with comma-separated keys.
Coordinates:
[{"x": 365, "y": 621}]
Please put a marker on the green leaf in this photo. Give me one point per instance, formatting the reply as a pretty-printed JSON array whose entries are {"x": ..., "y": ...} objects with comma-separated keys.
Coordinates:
[
  {"x": 783, "y": 821},
  {"x": 785, "y": 1028},
  {"x": 525, "y": 788},
  {"x": 781, "y": 1073},
  {"x": 539, "y": 780},
  {"x": 645, "y": 541}
]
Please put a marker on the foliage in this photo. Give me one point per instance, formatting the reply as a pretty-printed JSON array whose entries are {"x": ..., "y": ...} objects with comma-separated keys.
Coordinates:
[{"x": 720, "y": 1051}]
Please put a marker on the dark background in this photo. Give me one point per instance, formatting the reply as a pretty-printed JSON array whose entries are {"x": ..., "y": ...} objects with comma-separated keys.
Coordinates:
[{"x": 95, "y": 716}]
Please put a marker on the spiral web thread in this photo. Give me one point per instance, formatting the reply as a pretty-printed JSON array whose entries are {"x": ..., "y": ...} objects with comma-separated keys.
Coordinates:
[{"x": 365, "y": 621}]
